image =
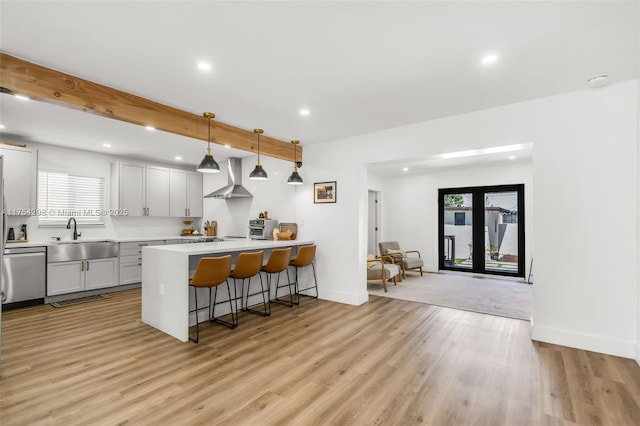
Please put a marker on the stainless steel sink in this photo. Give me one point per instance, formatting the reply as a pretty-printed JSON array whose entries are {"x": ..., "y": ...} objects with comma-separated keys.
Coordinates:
[{"x": 66, "y": 251}]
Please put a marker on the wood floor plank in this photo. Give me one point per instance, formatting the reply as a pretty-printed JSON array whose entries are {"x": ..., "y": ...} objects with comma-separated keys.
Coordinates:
[{"x": 386, "y": 362}]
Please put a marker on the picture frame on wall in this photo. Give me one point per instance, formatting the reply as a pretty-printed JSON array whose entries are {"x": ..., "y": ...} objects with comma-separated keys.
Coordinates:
[{"x": 325, "y": 192}]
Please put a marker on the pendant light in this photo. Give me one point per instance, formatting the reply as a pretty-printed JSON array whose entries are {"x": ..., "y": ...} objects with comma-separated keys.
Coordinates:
[
  {"x": 295, "y": 178},
  {"x": 208, "y": 164},
  {"x": 258, "y": 173}
]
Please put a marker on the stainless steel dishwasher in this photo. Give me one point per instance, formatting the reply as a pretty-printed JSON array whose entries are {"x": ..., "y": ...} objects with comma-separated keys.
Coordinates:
[{"x": 24, "y": 276}]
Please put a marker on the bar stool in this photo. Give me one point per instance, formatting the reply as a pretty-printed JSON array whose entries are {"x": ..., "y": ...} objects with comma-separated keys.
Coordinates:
[
  {"x": 247, "y": 266},
  {"x": 210, "y": 273},
  {"x": 277, "y": 263},
  {"x": 305, "y": 257}
]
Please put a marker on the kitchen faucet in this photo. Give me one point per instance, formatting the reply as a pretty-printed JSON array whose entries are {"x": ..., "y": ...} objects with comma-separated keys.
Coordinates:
[{"x": 75, "y": 227}]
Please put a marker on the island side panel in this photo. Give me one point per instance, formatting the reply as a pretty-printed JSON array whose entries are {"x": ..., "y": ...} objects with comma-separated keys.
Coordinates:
[{"x": 165, "y": 291}]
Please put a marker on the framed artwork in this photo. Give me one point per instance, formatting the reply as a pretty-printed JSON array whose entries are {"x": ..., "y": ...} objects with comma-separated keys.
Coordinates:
[{"x": 325, "y": 192}]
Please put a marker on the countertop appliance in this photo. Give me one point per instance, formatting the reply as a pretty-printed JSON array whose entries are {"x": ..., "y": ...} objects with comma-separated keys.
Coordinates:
[
  {"x": 262, "y": 229},
  {"x": 24, "y": 275}
]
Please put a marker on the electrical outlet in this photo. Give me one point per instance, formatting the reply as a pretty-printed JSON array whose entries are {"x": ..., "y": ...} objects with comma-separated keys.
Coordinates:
[{"x": 161, "y": 290}]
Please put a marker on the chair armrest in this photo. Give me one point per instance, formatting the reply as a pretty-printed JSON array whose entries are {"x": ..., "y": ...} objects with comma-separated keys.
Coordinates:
[
  {"x": 389, "y": 259},
  {"x": 413, "y": 251}
]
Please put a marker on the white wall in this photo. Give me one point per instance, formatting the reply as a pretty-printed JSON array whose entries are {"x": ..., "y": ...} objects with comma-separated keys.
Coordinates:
[
  {"x": 638, "y": 205},
  {"x": 411, "y": 204},
  {"x": 585, "y": 160},
  {"x": 273, "y": 195}
]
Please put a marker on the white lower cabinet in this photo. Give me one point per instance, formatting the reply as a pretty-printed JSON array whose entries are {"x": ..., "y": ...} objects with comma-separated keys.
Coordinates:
[
  {"x": 131, "y": 260},
  {"x": 81, "y": 275}
]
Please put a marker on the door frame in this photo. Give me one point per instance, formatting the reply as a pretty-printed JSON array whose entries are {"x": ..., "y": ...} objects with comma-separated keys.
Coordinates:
[{"x": 478, "y": 235}]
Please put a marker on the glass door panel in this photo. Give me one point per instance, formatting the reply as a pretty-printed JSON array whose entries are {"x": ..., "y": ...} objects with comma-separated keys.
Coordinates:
[
  {"x": 458, "y": 230},
  {"x": 481, "y": 229},
  {"x": 501, "y": 231}
]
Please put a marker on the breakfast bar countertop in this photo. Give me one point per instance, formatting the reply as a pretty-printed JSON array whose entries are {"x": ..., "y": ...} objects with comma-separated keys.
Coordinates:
[{"x": 230, "y": 245}]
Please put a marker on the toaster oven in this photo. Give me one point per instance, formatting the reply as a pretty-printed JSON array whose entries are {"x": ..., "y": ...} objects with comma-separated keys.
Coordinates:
[{"x": 262, "y": 229}]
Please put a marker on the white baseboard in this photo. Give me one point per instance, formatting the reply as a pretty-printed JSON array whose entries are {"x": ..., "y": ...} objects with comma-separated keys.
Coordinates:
[
  {"x": 430, "y": 268},
  {"x": 585, "y": 341},
  {"x": 356, "y": 299}
]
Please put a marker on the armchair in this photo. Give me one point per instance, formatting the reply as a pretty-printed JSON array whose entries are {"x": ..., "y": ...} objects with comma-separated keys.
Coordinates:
[
  {"x": 378, "y": 269},
  {"x": 392, "y": 249}
]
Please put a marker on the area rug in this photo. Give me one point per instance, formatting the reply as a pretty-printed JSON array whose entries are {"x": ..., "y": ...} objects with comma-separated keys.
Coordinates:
[{"x": 476, "y": 293}]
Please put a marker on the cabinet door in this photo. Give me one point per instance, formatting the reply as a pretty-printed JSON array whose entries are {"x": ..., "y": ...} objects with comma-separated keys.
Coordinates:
[
  {"x": 178, "y": 193},
  {"x": 157, "y": 191},
  {"x": 19, "y": 179},
  {"x": 130, "y": 273},
  {"x": 100, "y": 273},
  {"x": 65, "y": 277},
  {"x": 195, "y": 194},
  {"x": 131, "y": 189}
]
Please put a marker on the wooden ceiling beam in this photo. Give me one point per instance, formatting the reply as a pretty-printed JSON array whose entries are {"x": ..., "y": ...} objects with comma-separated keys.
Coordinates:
[{"x": 18, "y": 76}]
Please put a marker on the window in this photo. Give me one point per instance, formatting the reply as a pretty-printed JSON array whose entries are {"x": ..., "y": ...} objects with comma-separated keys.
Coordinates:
[
  {"x": 459, "y": 219},
  {"x": 61, "y": 196}
]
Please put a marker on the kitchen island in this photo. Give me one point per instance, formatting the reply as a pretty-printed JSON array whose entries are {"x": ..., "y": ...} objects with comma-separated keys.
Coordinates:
[{"x": 166, "y": 299}]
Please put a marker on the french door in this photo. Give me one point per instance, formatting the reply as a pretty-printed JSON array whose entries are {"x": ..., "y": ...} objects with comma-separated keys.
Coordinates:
[{"x": 481, "y": 229}]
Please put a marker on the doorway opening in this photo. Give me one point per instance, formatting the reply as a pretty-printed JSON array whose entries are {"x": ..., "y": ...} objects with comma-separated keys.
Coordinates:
[{"x": 481, "y": 229}]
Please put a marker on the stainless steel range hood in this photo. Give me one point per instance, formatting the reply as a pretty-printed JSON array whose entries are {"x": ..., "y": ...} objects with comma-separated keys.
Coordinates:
[{"x": 234, "y": 189}]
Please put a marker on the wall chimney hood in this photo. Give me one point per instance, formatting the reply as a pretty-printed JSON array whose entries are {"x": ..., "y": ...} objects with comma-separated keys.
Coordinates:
[{"x": 234, "y": 189}]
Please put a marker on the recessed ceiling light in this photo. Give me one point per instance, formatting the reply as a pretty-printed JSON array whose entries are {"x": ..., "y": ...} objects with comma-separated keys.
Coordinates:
[
  {"x": 1, "y": 126},
  {"x": 598, "y": 80},
  {"x": 489, "y": 59},
  {"x": 177, "y": 157},
  {"x": 22, "y": 97},
  {"x": 203, "y": 66},
  {"x": 150, "y": 128},
  {"x": 106, "y": 145},
  {"x": 405, "y": 169},
  {"x": 512, "y": 157},
  {"x": 304, "y": 112},
  {"x": 226, "y": 145}
]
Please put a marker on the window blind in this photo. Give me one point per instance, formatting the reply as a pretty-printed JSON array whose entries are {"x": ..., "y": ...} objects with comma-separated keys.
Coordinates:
[{"x": 61, "y": 196}]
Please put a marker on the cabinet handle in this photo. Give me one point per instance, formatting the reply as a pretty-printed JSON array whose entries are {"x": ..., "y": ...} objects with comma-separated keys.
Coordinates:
[
  {"x": 82, "y": 265},
  {"x": 185, "y": 212},
  {"x": 87, "y": 265},
  {"x": 189, "y": 210},
  {"x": 139, "y": 264},
  {"x": 140, "y": 259},
  {"x": 143, "y": 244}
]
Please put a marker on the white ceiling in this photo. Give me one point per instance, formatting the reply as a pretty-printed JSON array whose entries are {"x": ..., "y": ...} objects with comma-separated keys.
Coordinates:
[{"x": 357, "y": 66}]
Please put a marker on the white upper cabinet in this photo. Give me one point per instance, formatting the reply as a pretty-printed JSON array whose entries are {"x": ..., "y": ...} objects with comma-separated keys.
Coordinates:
[
  {"x": 142, "y": 190},
  {"x": 195, "y": 194},
  {"x": 157, "y": 191},
  {"x": 185, "y": 189},
  {"x": 127, "y": 188},
  {"x": 178, "y": 193},
  {"x": 20, "y": 167}
]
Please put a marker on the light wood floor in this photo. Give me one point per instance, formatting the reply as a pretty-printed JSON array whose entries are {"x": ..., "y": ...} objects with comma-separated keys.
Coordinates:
[{"x": 386, "y": 362}]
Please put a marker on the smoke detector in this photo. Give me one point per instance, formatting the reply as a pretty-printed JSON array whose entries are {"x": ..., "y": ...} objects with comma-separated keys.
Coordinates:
[{"x": 598, "y": 80}]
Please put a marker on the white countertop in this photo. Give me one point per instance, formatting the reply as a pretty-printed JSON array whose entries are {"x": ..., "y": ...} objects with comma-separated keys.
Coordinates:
[
  {"x": 117, "y": 240},
  {"x": 227, "y": 246},
  {"x": 226, "y": 242}
]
